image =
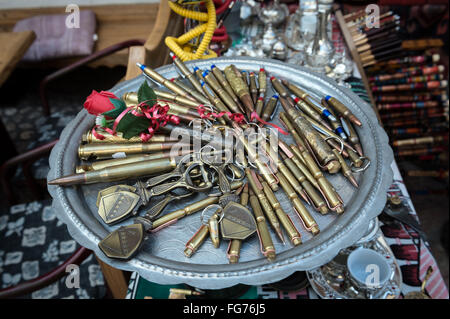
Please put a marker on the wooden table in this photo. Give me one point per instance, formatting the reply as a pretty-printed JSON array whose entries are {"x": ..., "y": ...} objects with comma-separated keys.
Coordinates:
[{"x": 14, "y": 45}]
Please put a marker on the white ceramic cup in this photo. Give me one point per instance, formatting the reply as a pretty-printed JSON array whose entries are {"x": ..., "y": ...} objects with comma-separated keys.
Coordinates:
[{"x": 368, "y": 268}]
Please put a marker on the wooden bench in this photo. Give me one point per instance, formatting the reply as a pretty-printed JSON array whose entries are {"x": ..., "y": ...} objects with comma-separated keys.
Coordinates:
[{"x": 115, "y": 24}]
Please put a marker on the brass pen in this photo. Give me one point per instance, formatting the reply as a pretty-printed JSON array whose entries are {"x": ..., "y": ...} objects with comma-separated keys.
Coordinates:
[
  {"x": 162, "y": 80},
  {"x": 253, "y": 87},
  {"x": 240, "y": 88},
  {"x": 345, "y": 169},
  {"x": 262, "y": 81},
  {"x": 342, "y": 109},
  {"x": 334, "y": 201},
  {"x": 253, "y": 156},
  {"x": 215, "y": 85},
  {"x": 320, "y": 148},
  {"x": 266, "y": 243},
  {"x": 223, "y": 81},
  {"x": 269, "y": 108},
  {"x": 267, "y": 208},
  {"x": 172, "y": 217},
  {"x": 187, "y": 73},
  {"x": 352, "y": 135},
  {"x": 289, "y": 160},
  {"x": 285, "y": 220},
  {"x": 197, "y": 95},
  {"x": 308, "y": 221}
]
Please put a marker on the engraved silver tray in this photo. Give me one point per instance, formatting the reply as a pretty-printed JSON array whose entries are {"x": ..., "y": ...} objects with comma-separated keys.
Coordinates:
[{"x": 161, "y": 259}]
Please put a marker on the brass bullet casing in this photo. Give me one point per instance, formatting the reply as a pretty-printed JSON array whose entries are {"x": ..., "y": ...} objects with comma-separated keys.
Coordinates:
[
  {"x": 335, "y": 123},
  {"x": 240, "y": 88},
  {"x": 279, "y": 87},
  {"x": 173, "y": 216},
  {"x": 301, "y": 164},
  {"x": 223, "y": 81},
  {"x": 127, "y": 160},
  {"x": 163, "y": 95},
  {"x": 88, "y": 138},
  {"x": 130, "y": 98},
  {"x": 321, "y": 183},
  {"x": 352, "y": 136},
  {"x": 104, "y": 151},
  {"x": 118, "y": 172},
  {"x": 253, "y": 87},
  {"x": 308, "y": 221},
  {"x": 259, "y": 105},
  {"x": 244, "y": 196},
  {"x": 175, "y": 108},
  {"x": 324, "y": 185},
  {"x": 215, "y": 85},
  {"x": 269, "y": 109},
  {"x": 290, "y": 127},
  {"x": 253, "y": 156},
  {"x": 317, "y": 201},
  {"x": 312, "y": 113},
  {"x": 262, "y": 81},
  {"x": 217, "y": 102},
  {"x": 325, "y": 132},
  {"x": 355, "y": 158},
  {"x": 342, "y": 109},
  {"x": 345, "y": 169},
  {"x": 213, "y": 227},
  {"x": 162, "y": 80},
  {"x": 197, "y": 95},
  {"x": 196, "y": 241},
  {"x": 321, "y": 148},
  {"x": 234, "y": 250},
  {"x": 268, "y": 249},
  {"x": 183, "y": 117},
  {"x": 286, "y": 173},
  {"x": 286, "y": 222},
  {"x": 187, "y": 73},
  {"x": 257, "y": 188},
  {"x": 295, "y": 89}
]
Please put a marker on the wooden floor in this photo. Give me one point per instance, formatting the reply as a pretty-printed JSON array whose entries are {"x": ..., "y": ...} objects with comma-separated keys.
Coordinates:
[{"x": 115, "y": 23}]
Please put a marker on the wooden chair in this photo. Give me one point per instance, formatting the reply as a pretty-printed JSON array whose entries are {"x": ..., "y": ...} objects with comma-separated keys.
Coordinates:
[{"x": 152, "y": 52}]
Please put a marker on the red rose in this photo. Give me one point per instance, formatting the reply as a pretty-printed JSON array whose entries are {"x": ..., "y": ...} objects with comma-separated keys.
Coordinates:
[{"x": 98, "y": 103}]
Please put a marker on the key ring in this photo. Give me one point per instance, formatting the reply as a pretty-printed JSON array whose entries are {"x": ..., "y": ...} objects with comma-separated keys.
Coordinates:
[
  {"x": 360, "y": 169},
  {"x": 218, "y": 208},
  {"x": 338, "y": 139}
]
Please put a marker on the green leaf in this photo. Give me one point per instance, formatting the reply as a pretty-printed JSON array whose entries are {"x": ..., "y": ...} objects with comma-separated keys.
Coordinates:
[
  {"x": 119, "y": 107},
  {"x": 131, "y": 125},
  {"x": 146, "y": 94}
]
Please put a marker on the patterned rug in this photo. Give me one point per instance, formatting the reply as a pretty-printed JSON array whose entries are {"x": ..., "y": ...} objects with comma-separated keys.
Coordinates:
[{"x": 34, "y": 243}]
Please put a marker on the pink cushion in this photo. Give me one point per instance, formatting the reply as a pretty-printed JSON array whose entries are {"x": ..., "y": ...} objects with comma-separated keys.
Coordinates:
[{"x": 55, "y": 40}]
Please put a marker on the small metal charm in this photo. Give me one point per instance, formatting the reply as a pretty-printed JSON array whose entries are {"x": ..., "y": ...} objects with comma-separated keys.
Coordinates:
[
  {"x": 237, "y": 222},
  {"x": 123, "y": 242}
]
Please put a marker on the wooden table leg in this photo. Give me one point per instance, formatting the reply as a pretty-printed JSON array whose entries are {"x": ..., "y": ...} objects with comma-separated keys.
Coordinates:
[{"x": 115, "y": 280}]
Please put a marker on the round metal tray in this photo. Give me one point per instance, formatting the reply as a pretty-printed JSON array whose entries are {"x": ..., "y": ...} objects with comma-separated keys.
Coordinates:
[{"x": 161, "y": 259}]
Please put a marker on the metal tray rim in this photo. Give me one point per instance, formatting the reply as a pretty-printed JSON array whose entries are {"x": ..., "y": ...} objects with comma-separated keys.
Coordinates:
[{"x": 203, "y": 276}]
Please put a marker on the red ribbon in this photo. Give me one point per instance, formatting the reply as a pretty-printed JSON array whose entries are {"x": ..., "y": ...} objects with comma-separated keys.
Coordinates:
[
  {"x": 237, "y": 117},
  {"x": 157, "y": 115}
]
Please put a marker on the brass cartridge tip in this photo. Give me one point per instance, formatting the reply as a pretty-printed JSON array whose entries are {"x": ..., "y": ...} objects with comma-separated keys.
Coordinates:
[{"x": 296, "y": 241}]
